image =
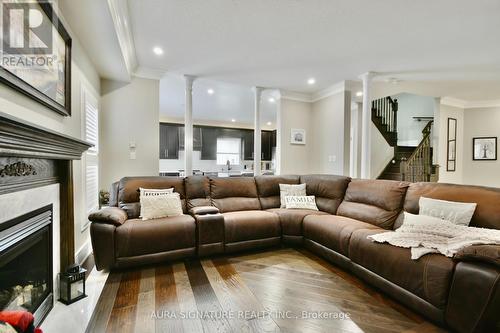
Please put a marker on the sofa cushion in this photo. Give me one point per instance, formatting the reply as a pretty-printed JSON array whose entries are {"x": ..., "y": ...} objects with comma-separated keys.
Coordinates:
[
  {"x": 128, "y": 194},
  {"x": 197, "y": 191},
  {"x": 291, "y": 219},
  {"x": 378, "y": 202},
  {"x": 269, "y": 190},
  {"x": 333, "y": 231},
  {"x": 329, "y": 190},
  {"x": 428, "y": 277},
  {"x": 234, "y": 194},
  {"x": 487, "y": 213},
  {"x": 250, "y": 225},
  {"x": 137, "y": 237}
]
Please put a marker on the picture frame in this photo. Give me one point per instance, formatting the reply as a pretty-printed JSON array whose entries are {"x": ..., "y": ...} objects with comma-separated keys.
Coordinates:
[
  {"x": 47, "y": 78},
  {"x": 451, "y": 145},
  {"x": 484, "y": 148},
  {"x": 298, "y": 136}
]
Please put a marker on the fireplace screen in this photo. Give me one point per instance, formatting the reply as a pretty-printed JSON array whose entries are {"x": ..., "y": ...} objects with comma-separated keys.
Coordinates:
[{"x": 26, "y": 263}]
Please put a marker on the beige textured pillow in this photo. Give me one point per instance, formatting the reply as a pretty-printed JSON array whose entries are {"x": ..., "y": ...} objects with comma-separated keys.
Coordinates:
[
  {"x": 456, "y": 212},
  {"x": 301, "y": 202},
  {"x": 157, "y": 206},
  {"x": 290, "y": 189},
  {"x": 146, "y": 192}
]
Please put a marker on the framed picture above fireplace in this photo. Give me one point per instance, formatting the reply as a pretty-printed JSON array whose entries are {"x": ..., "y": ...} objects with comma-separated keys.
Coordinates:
[{"x": 36, "y": 54}]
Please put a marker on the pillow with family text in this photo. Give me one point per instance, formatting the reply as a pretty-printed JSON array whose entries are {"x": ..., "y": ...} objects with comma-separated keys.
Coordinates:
[
  {"x": 301, "y": 202},
  {"x": 291, "y": 189},
  {"x": 157, "y": 206},
  {"x": 455, "y": 212}
]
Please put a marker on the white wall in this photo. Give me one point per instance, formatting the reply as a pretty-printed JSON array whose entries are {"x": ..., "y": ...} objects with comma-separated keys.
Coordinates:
[
  {"x": 331, "y": 134},
  {"x": 480, "y": 122},
  {"x": 83, "y": 73},
  {"x": 295, "y": 159},
  {"x": 381, "y": 152},
  {"x": 451, "y": 176},
  {"x": 410, "y": 105},
  {"x": 129, "y": 114}
]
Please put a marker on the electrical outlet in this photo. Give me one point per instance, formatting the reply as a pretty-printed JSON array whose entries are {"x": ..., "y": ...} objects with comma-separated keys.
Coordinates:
[{"x": 332, "y": 158}]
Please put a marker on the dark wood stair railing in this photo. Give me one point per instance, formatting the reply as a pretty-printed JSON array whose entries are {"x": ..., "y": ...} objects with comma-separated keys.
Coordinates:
[
  {"x": 385, "y": 118},
  {"x": 418, "y": 167}
]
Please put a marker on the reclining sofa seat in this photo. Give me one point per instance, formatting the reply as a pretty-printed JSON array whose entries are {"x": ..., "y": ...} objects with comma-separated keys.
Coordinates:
[{"x": 235, "y": 214}]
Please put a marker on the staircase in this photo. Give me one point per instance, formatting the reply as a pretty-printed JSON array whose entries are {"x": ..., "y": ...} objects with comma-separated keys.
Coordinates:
[{"x": 412, "y": 164}]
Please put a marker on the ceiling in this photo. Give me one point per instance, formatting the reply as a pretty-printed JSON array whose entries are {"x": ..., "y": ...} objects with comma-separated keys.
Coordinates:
[
  {"x": 227, "y": 102},
  {"x": 282, "y": 43}
]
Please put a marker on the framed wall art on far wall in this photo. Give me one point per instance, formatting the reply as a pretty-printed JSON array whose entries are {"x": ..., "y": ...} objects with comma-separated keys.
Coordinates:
[
  {"x": 451, "y": 153},
  {"x": 484, "y": 149},
  {"x": 298, "y": 136}
]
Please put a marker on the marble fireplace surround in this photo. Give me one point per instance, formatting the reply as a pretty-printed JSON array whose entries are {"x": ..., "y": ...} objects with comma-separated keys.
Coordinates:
[{"x": 34, "y": 160}]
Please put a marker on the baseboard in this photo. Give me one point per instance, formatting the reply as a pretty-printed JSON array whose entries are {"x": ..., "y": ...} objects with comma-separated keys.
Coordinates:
[{"x": 83, "y": 252}]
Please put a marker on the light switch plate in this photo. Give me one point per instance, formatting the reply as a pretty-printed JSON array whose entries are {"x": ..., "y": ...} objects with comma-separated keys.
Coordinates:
[{"x": 132, "y": 155}]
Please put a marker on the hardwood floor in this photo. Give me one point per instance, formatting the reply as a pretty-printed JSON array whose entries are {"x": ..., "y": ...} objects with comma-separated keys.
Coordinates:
[{"x": 283, "y": 290}]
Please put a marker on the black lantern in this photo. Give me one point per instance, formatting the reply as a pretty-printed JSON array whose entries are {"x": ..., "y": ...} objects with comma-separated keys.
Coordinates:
[{"x": 72, "y": 284}]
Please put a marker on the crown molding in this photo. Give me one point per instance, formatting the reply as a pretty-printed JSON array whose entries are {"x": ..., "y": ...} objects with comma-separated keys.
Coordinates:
[
  {"x": 149, "y": 73},
  {"x": 295, "y": 96},
  {"x": 327, "y": 92},
  {"x": 463, "y": 104},
  {"x": 121, "y": 21}
]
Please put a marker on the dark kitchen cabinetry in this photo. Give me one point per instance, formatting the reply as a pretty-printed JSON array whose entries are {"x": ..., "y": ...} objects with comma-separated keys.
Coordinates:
[
  {"x": 197, "y": 138},
  {"x": 209, "y": 146},
  {"x": 265, "y": 145},
  {"x": 247, "y": 136},
  {"x": 169, "y": 141}
]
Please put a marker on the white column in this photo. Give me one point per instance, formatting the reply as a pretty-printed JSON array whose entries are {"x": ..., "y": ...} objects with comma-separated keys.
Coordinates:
[
  {"x": 366, "y": 127},
  {"x": 256, "y": 140},
  {"x": 279, "y": 131},
  {"x": 188, "y": 127}
]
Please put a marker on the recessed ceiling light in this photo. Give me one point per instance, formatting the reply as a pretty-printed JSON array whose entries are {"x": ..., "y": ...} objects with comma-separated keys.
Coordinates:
[
  {"x": 269, "y": 123},
  {"x": 210, "y": 91},
  {"x": 158, "y": 50},
  {"x": 359, "y": 93},
  {"x": 311, "y": 81},
  {"x": 271, "y": 100},
  {"x": 233, "y": 120}
]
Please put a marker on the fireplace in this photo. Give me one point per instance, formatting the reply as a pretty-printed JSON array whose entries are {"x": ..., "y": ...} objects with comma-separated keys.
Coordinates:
[{"x": 26, "y": 275}]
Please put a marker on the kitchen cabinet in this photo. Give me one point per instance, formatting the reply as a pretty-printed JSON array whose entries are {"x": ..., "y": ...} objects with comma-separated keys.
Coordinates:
[
  {"x": 273, "y": 138},
  {"x": 197, "y": 138},
  {"x": 169, "y": 141},
  {"x": 265, "y": 145},
  {"x": 247, "y": 136},
  {"x": 209, "y": 146}
]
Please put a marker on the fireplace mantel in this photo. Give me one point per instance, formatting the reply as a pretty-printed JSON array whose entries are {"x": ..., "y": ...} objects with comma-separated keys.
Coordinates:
[{"x": 33, "y": 156}]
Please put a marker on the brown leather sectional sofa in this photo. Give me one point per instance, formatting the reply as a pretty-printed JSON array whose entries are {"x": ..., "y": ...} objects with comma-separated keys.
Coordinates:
[{"x": 224, "y": 215}]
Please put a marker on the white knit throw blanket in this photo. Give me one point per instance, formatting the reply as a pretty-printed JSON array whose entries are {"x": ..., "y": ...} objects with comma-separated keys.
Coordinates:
[{"x": 445, "y": 238}]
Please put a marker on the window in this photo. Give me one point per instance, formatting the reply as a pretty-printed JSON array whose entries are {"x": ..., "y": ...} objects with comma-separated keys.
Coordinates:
[
  {"x": 91, "y": 157},
  {"x": 228, "y": 149}
]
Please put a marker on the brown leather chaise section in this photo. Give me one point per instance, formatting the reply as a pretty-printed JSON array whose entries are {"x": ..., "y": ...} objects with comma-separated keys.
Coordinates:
[
  {"x": 486, "y": 253},
  {"x": 259, "y": 227},
  {"x": 128, "y": 195},
  {"x": 234, "y": 194},
  {"x": 474, "y": 302},
  {"x": 269, "y": 189},
  {"x": 428, "y": 277},
  {"x": 197, "y": 191},
  {"x": 329, "y": 190},
  {"x": 487, "y": 214},
  {"x": 333, "y": 232},
  {"x": 137, "y": 237},
  {"x": 291, "y": 223},
  {"x": 378, "y": 202}
]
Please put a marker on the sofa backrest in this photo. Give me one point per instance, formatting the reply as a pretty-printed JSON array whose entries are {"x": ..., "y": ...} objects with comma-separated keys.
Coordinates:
[
  {"x": 128, "y": 194},
  {"x": 197, "y": 191},
  {"x": 268, "y": 189},
  {"x": 234, "y": 194},
  {"x": 487, "y": 214},
  {"x": 378, "y": 202},
  {"x": 329, "y": 190}
]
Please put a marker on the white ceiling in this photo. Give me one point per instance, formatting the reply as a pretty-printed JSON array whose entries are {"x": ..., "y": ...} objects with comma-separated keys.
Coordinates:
[
  {"x": 228, "y": 102},
  {"x": 451, "y": 45}
]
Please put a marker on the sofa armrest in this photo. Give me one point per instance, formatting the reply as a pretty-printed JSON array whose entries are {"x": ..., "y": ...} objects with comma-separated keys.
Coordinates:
[
  {"x": 109, "y": 215},
  {"x": 486, "y": 253},
  {"x": 203, "y": 210},
  {"x": 209, "y": 234},
  {"x": 102, "y": 236}
]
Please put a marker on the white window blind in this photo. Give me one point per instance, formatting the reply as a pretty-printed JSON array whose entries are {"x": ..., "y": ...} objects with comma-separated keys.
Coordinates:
[
  {"x": 91, "y": 122},
  {"x": 228, "y": 149},
  {"x": 90, "y": 107},
  {"x": 92, "y": 189}
]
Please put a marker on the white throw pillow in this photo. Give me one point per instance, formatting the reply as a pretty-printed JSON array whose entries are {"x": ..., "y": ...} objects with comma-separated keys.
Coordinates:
[
  {"x": 456, "y": 212},
  {"x": 301, "y": 202},
  {"x": 156, "y": 206},
  {"x": 290, "y": 189},
  {"x": 145, "y": 192},
  {"x": 413, "y": 218}
]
